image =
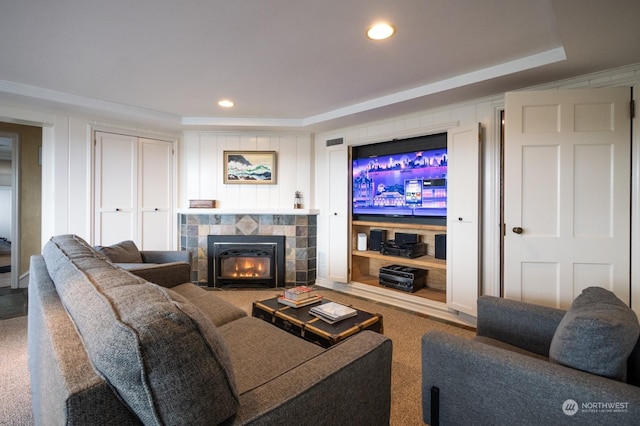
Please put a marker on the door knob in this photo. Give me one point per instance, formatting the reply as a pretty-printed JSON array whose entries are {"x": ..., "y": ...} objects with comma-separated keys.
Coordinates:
[{"x": 518, "y": 230}]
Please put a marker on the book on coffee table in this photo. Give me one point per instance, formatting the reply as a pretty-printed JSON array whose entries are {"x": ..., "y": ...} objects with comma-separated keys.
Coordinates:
[
  {"x": 300, "y": 293},
  {"x": 332, "y": 312},
  {"x": 299, "y": 303}
]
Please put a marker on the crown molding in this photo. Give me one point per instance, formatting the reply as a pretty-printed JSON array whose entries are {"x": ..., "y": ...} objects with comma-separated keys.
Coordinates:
[{"x": 75, "y": 102}]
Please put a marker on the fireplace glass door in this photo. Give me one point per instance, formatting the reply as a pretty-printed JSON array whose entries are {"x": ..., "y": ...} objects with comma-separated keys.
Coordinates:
[
  {"x": 246, "y": 261},
  {"x": 245, "y": 264}
]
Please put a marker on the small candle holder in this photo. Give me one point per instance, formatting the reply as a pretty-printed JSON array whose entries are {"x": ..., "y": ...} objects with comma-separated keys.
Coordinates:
[{"x": 297, "y": 201}]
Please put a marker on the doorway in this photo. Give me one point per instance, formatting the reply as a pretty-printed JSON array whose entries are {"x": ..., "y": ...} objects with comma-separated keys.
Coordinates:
[
  {"x": 8, "y": 210},
  {"x": 566, "y": 198},
  {"x": 26, "y": 198}
]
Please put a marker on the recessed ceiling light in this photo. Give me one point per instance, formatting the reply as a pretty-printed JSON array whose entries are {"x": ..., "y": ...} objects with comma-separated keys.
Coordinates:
[
  {"x": 380, "y": 31},
  {"x": 226, "y": 103}
]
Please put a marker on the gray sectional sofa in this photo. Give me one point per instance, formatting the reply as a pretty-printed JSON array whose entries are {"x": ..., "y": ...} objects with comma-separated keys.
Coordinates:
[{"x": 109, "y": 347}]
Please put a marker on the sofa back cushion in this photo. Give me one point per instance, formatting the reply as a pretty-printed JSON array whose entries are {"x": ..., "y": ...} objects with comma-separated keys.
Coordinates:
[
  {"x": 123, "y": 252},
  {"x": 159, "y": 353},
  {"x": 597, "y": 334}
]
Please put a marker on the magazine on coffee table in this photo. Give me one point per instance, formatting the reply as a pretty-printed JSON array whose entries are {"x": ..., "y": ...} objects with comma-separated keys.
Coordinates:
[{"x": 332, "y": 312}]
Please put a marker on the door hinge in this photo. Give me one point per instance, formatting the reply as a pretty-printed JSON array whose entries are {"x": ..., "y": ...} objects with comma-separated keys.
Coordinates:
[{"x": 632, "y": 108}]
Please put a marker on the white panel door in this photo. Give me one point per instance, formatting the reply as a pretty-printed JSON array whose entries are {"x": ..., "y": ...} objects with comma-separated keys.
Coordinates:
[
  {"x": 566, "y": 194},
  {"x": 155, "y": 173},
  {"x": 463, "y": 219},
  {"x": 338, "y": 220},
  {"x": 116, "y": 193}
]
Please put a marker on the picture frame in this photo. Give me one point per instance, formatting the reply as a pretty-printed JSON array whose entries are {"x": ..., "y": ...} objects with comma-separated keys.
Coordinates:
[{"x": 250, "y": 167}]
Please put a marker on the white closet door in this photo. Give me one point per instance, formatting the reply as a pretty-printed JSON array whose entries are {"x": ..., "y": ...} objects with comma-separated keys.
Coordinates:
[
  {"x": 338, "y": 220},
  {"x": 156, "y": 194},
  {"x": 463, "y": 219},
  {"x": 116, "y": 190}
]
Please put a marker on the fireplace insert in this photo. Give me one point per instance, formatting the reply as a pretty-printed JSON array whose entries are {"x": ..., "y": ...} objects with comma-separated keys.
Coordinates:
[{"x": 245, "y": 260}]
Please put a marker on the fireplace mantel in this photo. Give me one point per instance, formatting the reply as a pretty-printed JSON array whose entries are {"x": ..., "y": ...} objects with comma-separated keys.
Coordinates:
[{"x": 241, "y": 211}]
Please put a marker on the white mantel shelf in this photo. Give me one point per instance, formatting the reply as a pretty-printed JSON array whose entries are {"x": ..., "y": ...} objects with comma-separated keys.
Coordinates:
[{"x": 303, "y": 212}]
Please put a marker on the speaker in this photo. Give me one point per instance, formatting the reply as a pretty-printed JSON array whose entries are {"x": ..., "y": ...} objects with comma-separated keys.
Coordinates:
[
  {"x": 376, "y": 238},
  {"x": 402, "y": 238},
  {"x": 441, "y": 246},
  {"x": 362, "y": 242}
]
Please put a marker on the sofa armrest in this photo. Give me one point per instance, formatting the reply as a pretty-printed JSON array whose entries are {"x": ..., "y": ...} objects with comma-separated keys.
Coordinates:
[
  {"x": 166, "y": 256},
  {"x": 65, "y": 388},
  {"x": 352, "y": 379},
  {"x": 525, "y": 325},
  {"x": 496, "y": 386},
  {"x": 164, "y": 274}
]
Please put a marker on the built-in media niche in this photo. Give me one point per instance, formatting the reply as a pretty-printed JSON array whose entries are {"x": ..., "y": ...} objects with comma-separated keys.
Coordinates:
[
  {"x": 403, "y": 179},
  {"x": 399, "y": 210}
]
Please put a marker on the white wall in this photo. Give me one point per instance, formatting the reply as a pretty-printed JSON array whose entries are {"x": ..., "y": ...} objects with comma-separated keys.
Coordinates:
[
  {"x": 202, "y": 170},
  {"x": 67, "y": 153},
  {"x": 68, "y": 172}
]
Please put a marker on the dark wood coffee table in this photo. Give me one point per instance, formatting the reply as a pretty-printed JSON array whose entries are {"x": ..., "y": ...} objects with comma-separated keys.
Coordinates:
[{"x": 300, "y": 322}]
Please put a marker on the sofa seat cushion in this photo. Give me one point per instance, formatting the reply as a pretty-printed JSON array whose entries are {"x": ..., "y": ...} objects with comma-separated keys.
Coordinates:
[
  {"x": 123, "y": 252},
  {"x": 216, "y": 309},
  {"x": 260, "y": 351},
  {"x": 597, "y": 334},
  {"x": 159, "y": 353}
]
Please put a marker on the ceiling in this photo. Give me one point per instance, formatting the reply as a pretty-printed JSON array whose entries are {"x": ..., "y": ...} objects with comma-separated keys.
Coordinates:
[{"x": 297, "y": 64}]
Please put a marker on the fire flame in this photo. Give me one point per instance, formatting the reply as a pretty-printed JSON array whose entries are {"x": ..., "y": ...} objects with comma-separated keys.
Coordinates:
[{"x": 248, "y": 269}]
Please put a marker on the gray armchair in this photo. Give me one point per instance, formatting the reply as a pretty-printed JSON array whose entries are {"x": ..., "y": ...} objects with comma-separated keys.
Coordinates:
[
  {"x": 163, "y": 267},
  {"x": 516, "y": 369}
]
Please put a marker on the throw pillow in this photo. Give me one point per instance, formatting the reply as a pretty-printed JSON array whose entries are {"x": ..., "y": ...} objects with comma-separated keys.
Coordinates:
[
  {"x": 597, "y": 334},
  {"x": 123, "y": 252}
]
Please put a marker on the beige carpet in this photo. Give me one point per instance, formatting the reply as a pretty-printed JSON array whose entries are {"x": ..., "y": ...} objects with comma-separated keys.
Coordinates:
[
  {"x": 404, "y": 329},
  {"x": 15, "y": 398}
]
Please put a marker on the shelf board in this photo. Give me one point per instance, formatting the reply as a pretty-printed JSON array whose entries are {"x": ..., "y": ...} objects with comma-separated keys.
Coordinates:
[
  {"x": 422, "y": 261},
  {"x": 440, "y": 228},
  {"x": 425, "y": 292}
]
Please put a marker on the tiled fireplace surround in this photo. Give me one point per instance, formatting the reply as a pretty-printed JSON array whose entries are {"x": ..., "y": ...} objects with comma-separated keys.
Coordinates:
[{"x": 299, "y": 231}]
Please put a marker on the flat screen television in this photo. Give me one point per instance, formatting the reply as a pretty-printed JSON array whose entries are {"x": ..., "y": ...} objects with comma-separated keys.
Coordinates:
[{"x": 402, "y": 179}]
